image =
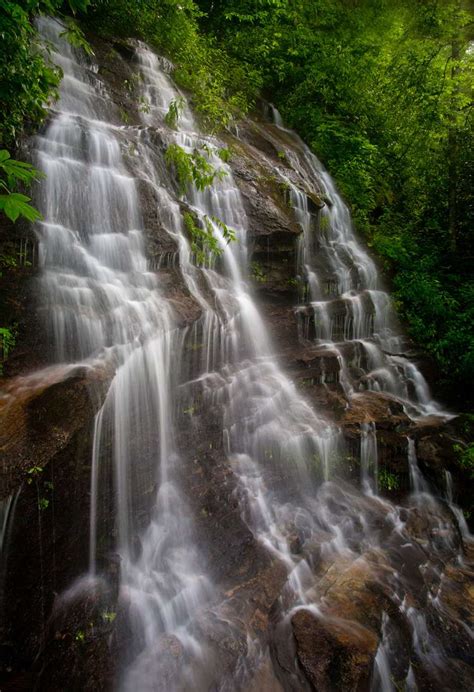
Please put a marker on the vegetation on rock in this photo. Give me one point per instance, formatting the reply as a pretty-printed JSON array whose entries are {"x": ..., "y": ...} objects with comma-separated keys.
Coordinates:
[{"x": 192, "y": 168}]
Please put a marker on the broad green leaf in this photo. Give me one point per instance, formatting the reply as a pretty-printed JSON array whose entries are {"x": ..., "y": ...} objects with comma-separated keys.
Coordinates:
[{"x": 15, "y": 205}]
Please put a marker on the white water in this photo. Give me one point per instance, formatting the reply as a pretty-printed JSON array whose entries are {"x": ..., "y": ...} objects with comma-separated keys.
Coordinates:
[
  {"x": 346, "y": 303},
  {"x": 104, "y": 306},
  {"x": 7, "y": 516},
  {"x": 264, "y": 417}
]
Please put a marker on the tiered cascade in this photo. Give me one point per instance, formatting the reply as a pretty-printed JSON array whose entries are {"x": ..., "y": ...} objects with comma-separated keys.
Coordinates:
[
  {"x": 105, "y": 308},
  {"x": 344, "y": 310}
]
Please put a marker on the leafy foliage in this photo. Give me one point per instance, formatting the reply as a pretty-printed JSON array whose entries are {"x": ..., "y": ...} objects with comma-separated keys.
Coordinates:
[
  {"x": 204, "y": 241},
  {"x": 7, "y": 343},
  {"x": 388, "y": 480},
  {"x": 15, "y": 204},
  {"x": 74, "y": 34},
  {"x": 28, "y": 84},
  {"x": 28, "y": 79},
  {"x": 174, "y": 112},
  {"x": 466, "y": 457},
  {"x": 192, "y": 168}
]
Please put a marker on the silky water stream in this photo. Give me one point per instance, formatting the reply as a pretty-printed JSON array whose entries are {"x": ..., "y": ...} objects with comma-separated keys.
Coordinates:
[{"x": 105, "y": 308}]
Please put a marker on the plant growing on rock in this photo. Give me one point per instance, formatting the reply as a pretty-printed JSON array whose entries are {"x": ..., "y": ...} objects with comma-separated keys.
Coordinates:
[
  {"x": 131, "y": 84},
  {"x": 465, "y": 454},
  {"x": 125, "y": 117},
  {"x": 109, "y": 616},
  {"x": 204, "y": 242},
  {"x": 225, "y": 154},
  {"x": 144, "y": 106},
  {"x": 7, "y": 343},
  {"x": 257, "y": 272},
  {"x": 387, "y": 480},
  {"x": 192, "y": 168},
  {"x": 34, "y": 474},
  {"x": 175, "y": 110},
  {"x": 80, "y": 637}
]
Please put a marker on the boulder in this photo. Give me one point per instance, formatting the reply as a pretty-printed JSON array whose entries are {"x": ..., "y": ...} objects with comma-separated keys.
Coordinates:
[{"x": 334, "y": 654}]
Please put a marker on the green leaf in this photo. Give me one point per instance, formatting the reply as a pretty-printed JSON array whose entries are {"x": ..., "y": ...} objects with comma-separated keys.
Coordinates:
[
  {"x": 75, "y": 36},
  {"x": 18, "y": 170},
  {"x": 15, "y": 205}
]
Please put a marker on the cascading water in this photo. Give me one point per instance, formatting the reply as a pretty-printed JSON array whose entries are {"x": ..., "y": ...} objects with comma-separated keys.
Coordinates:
[
  {"x": 269, "y": 429},
  {"x": 347, "y": 311},
  {"x": 7, "y": 515},
  {"x": 106, "y": 309},
  {"x": 105, "y": 306},
  {"x": 264, "y": 418}
]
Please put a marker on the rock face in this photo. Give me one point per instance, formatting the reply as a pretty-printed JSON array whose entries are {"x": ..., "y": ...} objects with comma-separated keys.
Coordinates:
[
  {"x": 336, "y": 647},
  {"x": 60, "y": 634},
  {"x": 41, "y": 414},
  {"x": 46, "y": 448},
  {"x": 334, "y": 655}
]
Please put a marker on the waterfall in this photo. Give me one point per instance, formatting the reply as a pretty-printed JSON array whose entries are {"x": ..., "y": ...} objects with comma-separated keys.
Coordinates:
[
  {"x": 368, "y": 457},
  {"x": 104, "y": 308},
  {"x": 264, "y": 417},
  {"x": 348, "y": 306},
  {"x": 104, "y": 305},
  {"x": 7, "y": 515}
]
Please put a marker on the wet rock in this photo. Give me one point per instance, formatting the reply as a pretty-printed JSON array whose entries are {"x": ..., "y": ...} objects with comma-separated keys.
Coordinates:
[
  {"x": 334, "y": 654},
  {"x": 268, "y": 211},
  {"x": 264, "y": 679},
  {"x": 116, "y": 69},
  {"x": 40, "y": 414},
  {"x": 457, "y": 593},
  {"x": 45, "y": 430},
  {"x": 439, "y": 448},
  {"x": 160, "y": 245},
  {"x": 335, "y": 645},
  {"x": 75, "y": 653},
  {"x": 434, "y": 525},
  {"x": 375, "y": 407}
]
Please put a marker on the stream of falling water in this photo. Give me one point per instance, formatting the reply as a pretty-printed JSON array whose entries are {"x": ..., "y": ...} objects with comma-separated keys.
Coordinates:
[
  {"x": 346, "y": 312},
  {"x": 102, "y": 304}
]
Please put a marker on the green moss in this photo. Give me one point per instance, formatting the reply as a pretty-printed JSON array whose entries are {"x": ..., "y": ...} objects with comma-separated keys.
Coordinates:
[{"x": 257, "y": 273}]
